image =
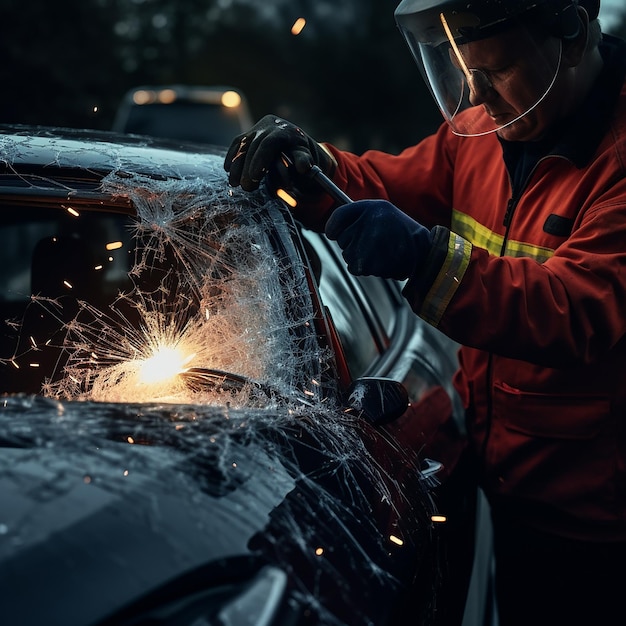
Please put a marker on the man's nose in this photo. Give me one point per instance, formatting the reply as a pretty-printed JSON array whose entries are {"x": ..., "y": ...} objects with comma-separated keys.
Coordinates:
[{"x": 481, "y": 88}]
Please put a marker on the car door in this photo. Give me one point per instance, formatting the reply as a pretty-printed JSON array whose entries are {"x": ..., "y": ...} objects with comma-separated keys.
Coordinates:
[{"x": 380, "y": 334}]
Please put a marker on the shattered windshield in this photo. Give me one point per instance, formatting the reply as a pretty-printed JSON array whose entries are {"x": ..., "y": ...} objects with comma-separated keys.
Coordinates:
[{"x": 197, "y": 292}]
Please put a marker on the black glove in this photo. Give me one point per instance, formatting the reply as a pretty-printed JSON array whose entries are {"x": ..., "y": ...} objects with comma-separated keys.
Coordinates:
[
  {"x": 258, "y": 151},
  {"x": 377, "y": 239}
]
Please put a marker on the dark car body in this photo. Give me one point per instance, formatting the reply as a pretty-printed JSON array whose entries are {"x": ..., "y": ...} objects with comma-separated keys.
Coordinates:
[
  {"x": 192, "y": 113},
  {"x": 272, "y": 478}
]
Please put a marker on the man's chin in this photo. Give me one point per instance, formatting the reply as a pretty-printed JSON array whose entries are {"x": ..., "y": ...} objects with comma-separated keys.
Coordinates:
[
  {"x": 518, "y": 131},
  {"x": 526, "y": 128}
]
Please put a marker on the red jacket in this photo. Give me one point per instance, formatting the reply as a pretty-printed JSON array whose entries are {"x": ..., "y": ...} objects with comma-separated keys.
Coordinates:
[{"x": 531, "y": 281}]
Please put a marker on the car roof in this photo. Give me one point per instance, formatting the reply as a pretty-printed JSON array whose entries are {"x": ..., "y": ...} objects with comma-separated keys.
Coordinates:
[{"x": 102, "y": 152}]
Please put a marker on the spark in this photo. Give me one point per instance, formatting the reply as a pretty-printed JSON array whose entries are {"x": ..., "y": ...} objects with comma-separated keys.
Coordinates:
[
  {"x": 289, "y": 199},
  {"x": 298, "y": 26}
]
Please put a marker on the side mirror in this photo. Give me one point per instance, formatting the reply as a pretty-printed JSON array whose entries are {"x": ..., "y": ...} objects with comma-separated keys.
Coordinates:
[{"x": 378, "y": 400}]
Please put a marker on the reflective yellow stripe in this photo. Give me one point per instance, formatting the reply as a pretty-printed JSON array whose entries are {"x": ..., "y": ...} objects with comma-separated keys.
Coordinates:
[
  {"x": 448, "y": 279},
  {"x": 482, "y": 237},
  {"x": 476, "y": 233},
  {"x": 518, "y": 248}
]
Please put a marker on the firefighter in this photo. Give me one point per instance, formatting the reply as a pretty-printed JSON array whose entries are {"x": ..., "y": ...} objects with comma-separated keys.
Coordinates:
[{"x": 509, "y": 227}]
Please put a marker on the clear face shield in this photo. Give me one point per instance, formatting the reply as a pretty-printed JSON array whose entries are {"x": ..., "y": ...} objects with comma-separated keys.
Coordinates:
[{"x": 483, "y": 80}]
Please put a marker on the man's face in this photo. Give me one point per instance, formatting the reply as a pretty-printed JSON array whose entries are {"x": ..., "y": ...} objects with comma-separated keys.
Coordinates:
[{"x": 508, "y": 75}]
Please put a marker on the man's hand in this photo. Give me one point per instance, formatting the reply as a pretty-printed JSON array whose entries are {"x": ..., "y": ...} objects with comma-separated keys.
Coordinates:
[
  {"x": 254, "y": 153},
  {"x": 377, "y": 239}
]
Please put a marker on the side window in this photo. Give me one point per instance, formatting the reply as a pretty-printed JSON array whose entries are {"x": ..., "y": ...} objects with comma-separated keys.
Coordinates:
[
  {"x": 339, "y": 294},
  {"x": 381, "y": 303}
]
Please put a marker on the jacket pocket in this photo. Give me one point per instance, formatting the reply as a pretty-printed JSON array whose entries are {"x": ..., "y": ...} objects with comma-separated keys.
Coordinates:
[{"x": 550, "y": 415}]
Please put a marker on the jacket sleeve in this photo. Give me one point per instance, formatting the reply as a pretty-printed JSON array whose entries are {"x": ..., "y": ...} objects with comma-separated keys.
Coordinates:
[{"x": 418, "y": 181}]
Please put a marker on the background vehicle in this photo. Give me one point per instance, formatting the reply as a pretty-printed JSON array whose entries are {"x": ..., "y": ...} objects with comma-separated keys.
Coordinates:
[
  {"x": 211, "y": 114},
  {"x": 254, "y": 478}
]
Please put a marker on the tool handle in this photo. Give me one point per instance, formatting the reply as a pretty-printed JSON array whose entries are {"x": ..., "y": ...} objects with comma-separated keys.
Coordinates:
[
  {"x": 329, "y": 186},
  {"x": 316, "y": 173}
]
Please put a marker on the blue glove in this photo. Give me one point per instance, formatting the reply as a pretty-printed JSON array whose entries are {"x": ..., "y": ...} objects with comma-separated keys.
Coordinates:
[{"x": 377, "y": 239}]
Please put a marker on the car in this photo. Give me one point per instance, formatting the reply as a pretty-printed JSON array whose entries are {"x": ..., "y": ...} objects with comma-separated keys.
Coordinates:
[
  {"x": 204, "y": 418},
  {"x": 212, "y": 114}
]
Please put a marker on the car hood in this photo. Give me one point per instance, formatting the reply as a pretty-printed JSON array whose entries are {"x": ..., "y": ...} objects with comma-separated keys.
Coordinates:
[
  {"x": 108, "y": 505},
  {"x": 105, "y": 502}
]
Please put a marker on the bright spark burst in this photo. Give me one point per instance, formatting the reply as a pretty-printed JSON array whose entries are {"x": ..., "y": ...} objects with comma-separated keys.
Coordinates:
[
  {"x": 166, "y": 363},
  {"x": 143, "y": 364}
]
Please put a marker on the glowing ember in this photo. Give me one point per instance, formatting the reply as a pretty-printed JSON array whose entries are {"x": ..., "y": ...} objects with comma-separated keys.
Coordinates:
[
  {"x": 289, "y": 199},
  {"x": 298, "y": 26}
]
